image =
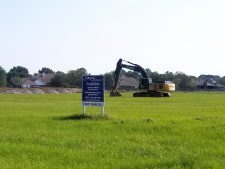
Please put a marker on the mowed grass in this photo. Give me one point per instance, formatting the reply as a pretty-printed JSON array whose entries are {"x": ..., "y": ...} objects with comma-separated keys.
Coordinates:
[{"x": 186, "y": 130}]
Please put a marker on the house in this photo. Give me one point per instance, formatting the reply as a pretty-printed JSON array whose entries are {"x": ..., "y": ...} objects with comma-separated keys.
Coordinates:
[
  {"x": 27, "y": 83},
  {"x": 208, "y": 82},
  {"x": 38, "y": 80},
  {"x": 128, "y": 83}
]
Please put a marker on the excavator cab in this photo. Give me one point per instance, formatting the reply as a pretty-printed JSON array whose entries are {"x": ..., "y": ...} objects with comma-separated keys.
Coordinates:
[{"x": 144, "y": 83}]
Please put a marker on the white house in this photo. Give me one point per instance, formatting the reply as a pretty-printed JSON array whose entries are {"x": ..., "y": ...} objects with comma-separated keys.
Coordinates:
[
  {"x": 27, "y": 83},
  {"x": 38, "y": 80}
]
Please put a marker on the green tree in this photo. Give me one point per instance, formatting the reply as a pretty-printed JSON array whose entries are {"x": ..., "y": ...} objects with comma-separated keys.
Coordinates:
[
  {"x": 168, "y": 76},
  {"x": 16, "y": 81},
  {"x": 15, "y": 74},
  {"x": 183, "y": 81},
  {"x": 149, "y": 72},
  {"x": 19, "y": 71},
  {"x": 59, "y": 80},
  {"x": 2, "y": 77},
  {"x": 74, "y": 77},
  {"x": 109, "y": 79},
  {"x": 156, "y": 77},
  {"x": 222, "y": 80},
  {"x": 45, "y": 70}
]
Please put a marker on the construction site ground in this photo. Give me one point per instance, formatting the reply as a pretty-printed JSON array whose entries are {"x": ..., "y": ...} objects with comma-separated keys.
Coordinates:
[{"x": 45, "y": 90}]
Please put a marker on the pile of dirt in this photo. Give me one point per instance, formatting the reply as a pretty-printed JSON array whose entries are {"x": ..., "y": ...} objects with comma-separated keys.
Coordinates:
[
  {"x": 75, "y": 90},
  {"x": 62, "y": 90},
  {"x": 51, "y": 91},
  {"x": 39, "y": 90},
  {"x": 11, "y": 92},
  {"x": 25, "y": 91}
]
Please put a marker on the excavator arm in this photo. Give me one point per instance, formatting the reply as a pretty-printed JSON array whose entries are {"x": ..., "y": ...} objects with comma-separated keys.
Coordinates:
[{"x": 144, "y": 82}]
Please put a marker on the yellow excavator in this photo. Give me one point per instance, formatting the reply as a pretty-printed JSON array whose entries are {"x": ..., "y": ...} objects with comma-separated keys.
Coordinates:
[{"x": 146, "y": 86}]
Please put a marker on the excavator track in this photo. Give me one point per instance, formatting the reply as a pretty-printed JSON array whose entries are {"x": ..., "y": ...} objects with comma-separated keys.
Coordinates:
[{"x": 151, "y": 94}]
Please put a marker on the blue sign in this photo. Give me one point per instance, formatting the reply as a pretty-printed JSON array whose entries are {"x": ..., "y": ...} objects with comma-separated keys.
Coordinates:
[{"x": 93, "y": 90}]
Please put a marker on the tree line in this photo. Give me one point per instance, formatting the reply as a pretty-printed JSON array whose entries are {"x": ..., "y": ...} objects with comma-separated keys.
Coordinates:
[
  {"x": 14, "y": 77},
  {"x": 73, "y": 77}
]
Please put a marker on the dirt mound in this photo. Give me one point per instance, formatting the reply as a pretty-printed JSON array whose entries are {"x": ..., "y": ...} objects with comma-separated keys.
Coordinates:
[
  {"x": 51, "y": 91},
  {"x": 11, "y": 92},
  {"x": 25, "y": 91},
  {"x": 39, "y": 90},
  {"x": 66, "y": 91}
]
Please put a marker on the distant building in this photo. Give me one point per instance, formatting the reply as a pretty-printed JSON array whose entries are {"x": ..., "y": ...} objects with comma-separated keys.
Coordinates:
[
  {"x": 38, "y": 80},
  {"x": 27, "y": 83},
  {"x": 128, "y": 83},
  {"x": 208, "y": 82}
]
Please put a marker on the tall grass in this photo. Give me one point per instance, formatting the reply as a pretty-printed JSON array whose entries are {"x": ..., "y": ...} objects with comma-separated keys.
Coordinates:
[{"x": 186, "y": 130}]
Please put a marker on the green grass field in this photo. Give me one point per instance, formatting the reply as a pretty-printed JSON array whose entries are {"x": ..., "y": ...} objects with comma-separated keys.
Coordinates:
[{"x": 186, "y": 130}]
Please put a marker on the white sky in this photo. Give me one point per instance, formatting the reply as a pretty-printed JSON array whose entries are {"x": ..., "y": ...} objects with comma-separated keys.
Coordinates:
[{"x": 173, "y": 35}]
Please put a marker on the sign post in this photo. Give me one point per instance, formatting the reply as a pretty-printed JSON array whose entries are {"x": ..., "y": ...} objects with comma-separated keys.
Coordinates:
[{"x": 93, "y": 91}]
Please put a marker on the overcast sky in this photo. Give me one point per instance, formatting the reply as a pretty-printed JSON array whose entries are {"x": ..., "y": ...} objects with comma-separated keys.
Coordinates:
[{"x": 173, "y": 35}]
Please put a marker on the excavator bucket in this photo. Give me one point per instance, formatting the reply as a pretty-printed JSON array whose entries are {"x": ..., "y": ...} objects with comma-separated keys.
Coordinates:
[{"x": 115, "y": 93}]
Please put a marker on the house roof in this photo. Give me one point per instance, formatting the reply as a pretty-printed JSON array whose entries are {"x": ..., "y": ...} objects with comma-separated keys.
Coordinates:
[
  {"x": 128, "y": 81},
  {"x": 220, "y": 86},
  {"x": 45, "y": 78},
  {"x": 27, "y": 81}
]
